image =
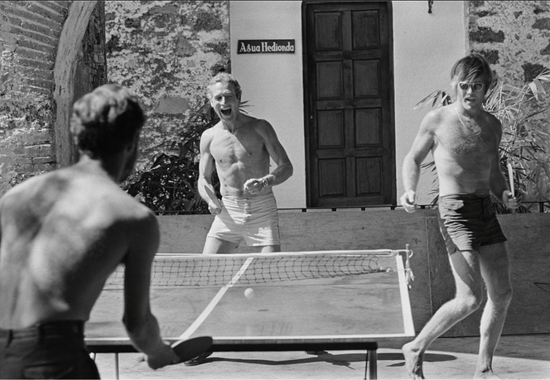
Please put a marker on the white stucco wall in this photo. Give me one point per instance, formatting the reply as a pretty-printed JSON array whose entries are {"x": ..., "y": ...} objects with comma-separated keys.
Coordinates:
[
  {"x": 273, "y": 83},
  {"x": 425, "y": 46}
]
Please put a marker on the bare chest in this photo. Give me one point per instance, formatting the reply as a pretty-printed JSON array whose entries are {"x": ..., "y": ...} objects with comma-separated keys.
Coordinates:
[
  {"x": 228, "y": 148},
  {"x": 467, "y": 141}
]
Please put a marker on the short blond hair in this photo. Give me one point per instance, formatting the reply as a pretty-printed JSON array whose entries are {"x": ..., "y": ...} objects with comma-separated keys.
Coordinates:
[
  {"x": 471, "y": 68},
  {"x": 227, "y": 78}
]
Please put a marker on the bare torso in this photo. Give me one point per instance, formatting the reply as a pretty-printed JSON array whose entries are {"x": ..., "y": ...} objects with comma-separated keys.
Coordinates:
[
  {"x": 62, "y": 234},
  {"x": 239, "y": 156},
  {"x": 464, "y": 150}
]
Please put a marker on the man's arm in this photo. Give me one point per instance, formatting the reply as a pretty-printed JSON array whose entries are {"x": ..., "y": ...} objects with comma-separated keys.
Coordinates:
[
  {"x": 277, "y": 152},
  {"x": 140, "y": 323},
  {"x": 497, "y": 182},
  {"x": 421, "y": 146},
  {"x": 206, "y": 168}
]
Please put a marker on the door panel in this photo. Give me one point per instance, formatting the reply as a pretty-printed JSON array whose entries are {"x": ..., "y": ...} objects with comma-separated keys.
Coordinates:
[
  {"x": 366, "y": 80},
  {"x": 328, "y": 33},
  {"x": 329, "y": 80},
  {"x": 348, "y": 87},
  {"x": 331, "y": 129},
  {"x": 367, "y": 127}
]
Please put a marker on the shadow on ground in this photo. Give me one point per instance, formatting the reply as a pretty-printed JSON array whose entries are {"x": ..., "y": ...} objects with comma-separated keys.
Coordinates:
[{"x": 344, "y": 360}]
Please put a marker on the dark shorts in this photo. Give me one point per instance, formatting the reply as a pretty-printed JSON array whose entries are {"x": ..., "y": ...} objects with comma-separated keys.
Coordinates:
[
  {"x": 468, "y": 221},
  {"x": 47, "y": 350}
]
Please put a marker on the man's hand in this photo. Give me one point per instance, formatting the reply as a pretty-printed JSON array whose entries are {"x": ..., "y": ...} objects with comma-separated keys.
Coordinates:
[
  {"x": 253, "y": 185},
  {"x": 510, "y": 201},
  {"x": 408, "y": 200},
  {"x": 164, "y": 357},
  {"x": 214, "y": 204},
  {"x": 256, "y": 185},
  {"x": 214, "y": 208}
]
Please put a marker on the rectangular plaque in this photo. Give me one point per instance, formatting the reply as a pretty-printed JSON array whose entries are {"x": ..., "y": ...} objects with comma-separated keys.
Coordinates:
[{"x": 266, "y": 47}]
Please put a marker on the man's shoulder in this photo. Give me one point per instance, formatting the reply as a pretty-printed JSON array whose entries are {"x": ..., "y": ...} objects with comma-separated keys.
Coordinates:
[
  {"x": 70, "y": 186},
  {"x": 435, "y": 118},
  {"x": 209, "y": 132},
  {"x": 492, "y": 119},
  {"x": 122, "y": 205},
  {"x": 440, "y": 113},
  {"x": 32, "y": 187},
  {"x": 262, "y": 126}
]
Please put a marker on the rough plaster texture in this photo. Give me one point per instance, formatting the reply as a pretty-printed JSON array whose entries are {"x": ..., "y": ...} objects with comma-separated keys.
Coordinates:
[
  {"x": 29, "y": 38},
  {"x": 165, "y": 52},
  {"x": 29, "y": 32},
  {"x": 515, "y": 37}
]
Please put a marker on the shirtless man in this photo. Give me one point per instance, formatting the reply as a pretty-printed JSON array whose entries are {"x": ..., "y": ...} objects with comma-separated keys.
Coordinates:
[
  {"x": 464, "y": 141},
  {"x": 63, "y": 233},
  {"x": 240, "y": 147}
]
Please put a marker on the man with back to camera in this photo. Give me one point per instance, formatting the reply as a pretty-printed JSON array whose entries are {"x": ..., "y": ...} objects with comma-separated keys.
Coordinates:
[
  {"x": 464, "y": 140},
  {"x": 63, "y": 233},
  {"x": 240, "y": 147}
]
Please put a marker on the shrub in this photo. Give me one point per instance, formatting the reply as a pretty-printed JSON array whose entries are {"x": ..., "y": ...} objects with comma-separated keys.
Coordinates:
[{"x": 169, "y": 186}]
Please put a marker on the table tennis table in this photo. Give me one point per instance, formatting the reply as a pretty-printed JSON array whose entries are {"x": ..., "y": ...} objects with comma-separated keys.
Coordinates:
[{"x": 311, "y": 301}]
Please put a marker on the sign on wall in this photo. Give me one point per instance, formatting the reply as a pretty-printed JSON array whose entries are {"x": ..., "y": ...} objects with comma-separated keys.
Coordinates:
[{"x": 265, "y": 46}]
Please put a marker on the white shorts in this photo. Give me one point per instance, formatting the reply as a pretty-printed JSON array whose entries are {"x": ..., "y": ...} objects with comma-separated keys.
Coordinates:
[{"x": 253, "y": 219}]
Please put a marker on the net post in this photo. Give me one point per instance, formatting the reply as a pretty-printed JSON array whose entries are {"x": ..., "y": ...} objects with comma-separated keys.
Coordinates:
[
  {"x": 409, "y": 275},
  {"x": 117, "y": 371}
]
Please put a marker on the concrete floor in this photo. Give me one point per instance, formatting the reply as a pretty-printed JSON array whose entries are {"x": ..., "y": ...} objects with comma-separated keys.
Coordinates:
[{"x": 517, "y": 357}]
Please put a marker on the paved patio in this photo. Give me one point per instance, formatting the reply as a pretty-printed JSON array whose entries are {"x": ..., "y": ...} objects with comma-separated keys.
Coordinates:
[{"x": 517, "y": 357}]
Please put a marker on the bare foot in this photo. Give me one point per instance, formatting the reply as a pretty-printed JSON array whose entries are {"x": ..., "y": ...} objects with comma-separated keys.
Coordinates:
[
  {"x": 413, "y": 361},
  {"x": 485, "y": 374}
]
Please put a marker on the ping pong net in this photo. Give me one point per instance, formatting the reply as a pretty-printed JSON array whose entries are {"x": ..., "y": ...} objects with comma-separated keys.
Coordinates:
[{"x": 188, "y": 270}]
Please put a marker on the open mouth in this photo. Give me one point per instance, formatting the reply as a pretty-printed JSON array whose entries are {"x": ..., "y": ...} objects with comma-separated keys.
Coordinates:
[{"x": 226, "y": 112}]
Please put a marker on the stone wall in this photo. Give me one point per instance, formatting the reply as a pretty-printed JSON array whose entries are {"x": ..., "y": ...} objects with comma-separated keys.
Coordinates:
[
  {"x": 515, "y": 37},
  {"x": 165, "y": 52},
  {"x": 29, "y": 39},
  {"x": 29, "y": 33}
]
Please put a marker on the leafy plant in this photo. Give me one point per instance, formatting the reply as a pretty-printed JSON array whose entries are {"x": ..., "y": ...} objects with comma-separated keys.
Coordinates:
[
  {"x": 524, "y": 140},
  {"x": 169, "y": 186}
]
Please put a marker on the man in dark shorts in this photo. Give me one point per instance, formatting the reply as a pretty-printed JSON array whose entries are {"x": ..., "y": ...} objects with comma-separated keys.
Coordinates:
[
  {"x": 464, "y": 140},
  {"x": 63, "y": 233}
]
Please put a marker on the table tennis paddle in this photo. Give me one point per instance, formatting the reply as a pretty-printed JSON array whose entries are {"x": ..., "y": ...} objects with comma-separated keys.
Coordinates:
[
  {"x": 191, "y": 348},
  {"x": 212, "y": 196},
  {"x": 511, "y": 179}
]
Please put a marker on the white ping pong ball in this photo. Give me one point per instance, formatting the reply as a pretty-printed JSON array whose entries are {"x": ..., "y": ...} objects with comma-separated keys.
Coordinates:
[{"x": 249, "y": 293}]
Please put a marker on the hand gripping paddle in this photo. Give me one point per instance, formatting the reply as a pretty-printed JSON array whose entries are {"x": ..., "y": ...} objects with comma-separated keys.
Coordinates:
[
  {"x": 212, "y": 196},
  {"x": 191, "y": 348}
]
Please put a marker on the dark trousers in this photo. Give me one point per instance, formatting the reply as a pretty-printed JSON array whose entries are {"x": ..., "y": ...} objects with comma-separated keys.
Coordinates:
[{"x": 52, "y": 350}]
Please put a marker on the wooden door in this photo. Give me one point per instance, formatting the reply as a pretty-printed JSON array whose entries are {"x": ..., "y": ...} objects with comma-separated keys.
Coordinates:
[{"x": 349, "y": 92}]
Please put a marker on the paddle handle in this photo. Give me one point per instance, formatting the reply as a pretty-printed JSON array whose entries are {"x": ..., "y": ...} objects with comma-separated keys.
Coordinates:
[{"x": 511, "y": 179}]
